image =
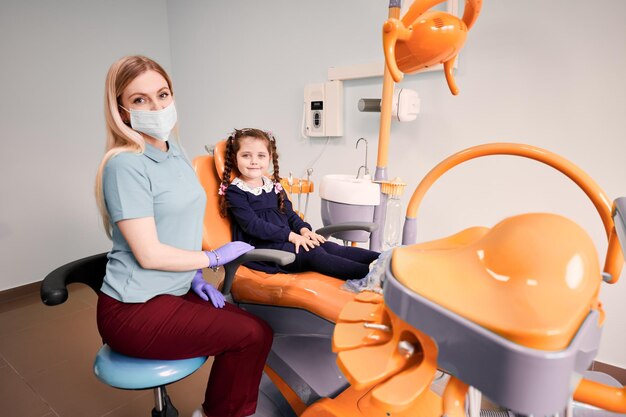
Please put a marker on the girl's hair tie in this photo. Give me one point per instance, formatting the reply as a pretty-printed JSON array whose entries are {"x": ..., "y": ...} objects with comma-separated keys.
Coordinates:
[
  {"x": 222, "y": 189},
  {"x": 277, "y": 187}
]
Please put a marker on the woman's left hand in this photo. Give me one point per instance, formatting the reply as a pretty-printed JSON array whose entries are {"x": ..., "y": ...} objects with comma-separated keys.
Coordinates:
[
  {"x": 206, "y": 290},
  {"x": 318, "y": 239}
]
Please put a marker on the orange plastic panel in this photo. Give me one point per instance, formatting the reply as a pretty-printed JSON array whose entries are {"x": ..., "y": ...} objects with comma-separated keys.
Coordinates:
[
  {"x": 369, "y": 297},
  {"x": 290, "y": 395},
  {"x": 362, "y": 312},
  {"x": 370, "y": 365},
  {"x": 600, "y": 395},
  {"x": 533, "y": 278},
  {"x": 317, "y": 293},
  {"x": 218, "y": 153},
  {"x": 405, "y": 387},
  {"x": 353, "y": 335},
  {"x": 393, "y": 358},
  {"x": 216, "y": 229},
  {"x": 454, "y": 398},
  {"x": 436, "y": 37}
]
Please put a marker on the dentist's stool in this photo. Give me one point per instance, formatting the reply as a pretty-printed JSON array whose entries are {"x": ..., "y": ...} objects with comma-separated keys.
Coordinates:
[{"x": 110, "y": 367}]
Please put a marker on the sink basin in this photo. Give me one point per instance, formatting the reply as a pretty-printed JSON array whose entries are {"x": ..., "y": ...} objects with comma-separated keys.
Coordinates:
[
  {"x": 347, "y": 189},
  {"x": 348, "y": 199}
]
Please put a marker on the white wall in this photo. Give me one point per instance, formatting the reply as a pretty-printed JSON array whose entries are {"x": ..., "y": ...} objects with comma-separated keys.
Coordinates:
[
  {"x": 537, "y": 72},
  {"x": 544, "y": 73},
  {"x": 54, "y": 56}
]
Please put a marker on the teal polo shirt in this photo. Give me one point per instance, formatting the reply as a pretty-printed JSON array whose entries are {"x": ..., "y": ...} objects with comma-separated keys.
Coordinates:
[{"x": 155, "y": 184}]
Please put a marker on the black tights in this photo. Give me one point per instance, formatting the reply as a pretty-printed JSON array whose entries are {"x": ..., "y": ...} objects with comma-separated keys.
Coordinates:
[{"x": 343, "y": 262}]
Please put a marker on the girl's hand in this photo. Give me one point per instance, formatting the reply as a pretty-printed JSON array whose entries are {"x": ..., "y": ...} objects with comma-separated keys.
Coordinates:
[
  {"x": 301, "y": 241},
  {"x": 317, "y": 239}
]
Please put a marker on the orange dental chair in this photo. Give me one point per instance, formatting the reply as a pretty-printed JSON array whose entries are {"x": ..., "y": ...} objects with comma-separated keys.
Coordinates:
[
  {"x": 301, "y": 308},
  {"x": 512, "y": 311}
]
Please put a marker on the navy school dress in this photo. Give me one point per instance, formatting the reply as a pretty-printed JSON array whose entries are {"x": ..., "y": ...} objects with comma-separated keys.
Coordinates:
[{"x": 257, "y": 220}]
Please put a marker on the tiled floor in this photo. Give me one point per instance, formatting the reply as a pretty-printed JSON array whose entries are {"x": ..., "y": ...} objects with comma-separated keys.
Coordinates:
[{"x": 46, "y": 359}]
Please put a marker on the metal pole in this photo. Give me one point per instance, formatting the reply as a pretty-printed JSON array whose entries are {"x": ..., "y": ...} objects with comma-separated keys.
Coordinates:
[{"x": 380, "y": 211}]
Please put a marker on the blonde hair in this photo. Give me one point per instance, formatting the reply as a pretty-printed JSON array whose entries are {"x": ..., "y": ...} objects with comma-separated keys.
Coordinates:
[{"x": 120, "y": 137}]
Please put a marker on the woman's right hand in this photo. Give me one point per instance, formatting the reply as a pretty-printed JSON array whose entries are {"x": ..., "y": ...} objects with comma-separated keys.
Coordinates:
[
  {"x": 207, "y": 291},
  {"x": 228, "y": 252},
  {"x": 301, "y": 241}
]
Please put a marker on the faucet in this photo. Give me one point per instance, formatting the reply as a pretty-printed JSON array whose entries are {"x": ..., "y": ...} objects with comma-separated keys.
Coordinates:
[{"x": 366, "y": 171}]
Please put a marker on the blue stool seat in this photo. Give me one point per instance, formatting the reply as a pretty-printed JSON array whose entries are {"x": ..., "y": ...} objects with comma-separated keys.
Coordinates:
[{"x": 126, "y": 372}]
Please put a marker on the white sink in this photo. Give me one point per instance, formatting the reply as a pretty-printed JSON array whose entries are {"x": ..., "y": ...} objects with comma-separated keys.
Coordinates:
[{"x": 347, "y": 189}]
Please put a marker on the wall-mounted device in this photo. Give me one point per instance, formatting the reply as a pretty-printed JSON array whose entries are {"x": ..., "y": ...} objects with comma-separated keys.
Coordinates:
[
  {"x": 405, "y": 106},
  {"x": 323, "y": 109}
]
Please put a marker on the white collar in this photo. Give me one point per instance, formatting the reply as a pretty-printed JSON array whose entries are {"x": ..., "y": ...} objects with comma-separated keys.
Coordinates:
[{"x": 267, "y": 186}]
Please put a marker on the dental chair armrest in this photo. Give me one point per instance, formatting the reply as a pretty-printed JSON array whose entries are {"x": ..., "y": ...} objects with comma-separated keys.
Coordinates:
[
  {"x": 328, "y": 231},
  {"x": 89, "y": 271},
  {"x": 264, "y": 255}
]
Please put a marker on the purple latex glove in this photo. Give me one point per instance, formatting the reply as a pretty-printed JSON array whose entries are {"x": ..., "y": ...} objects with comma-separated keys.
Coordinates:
[
  {"x": 206, "y": 290},
  {"x": 228, "y": 252}
]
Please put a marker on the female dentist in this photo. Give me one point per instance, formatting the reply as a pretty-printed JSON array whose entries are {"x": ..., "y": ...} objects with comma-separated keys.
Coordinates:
[{"x": 154, "y": 302}]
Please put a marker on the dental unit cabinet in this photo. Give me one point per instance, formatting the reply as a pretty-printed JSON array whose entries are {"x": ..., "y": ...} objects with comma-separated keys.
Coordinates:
[{"x": 323, "y": 109}]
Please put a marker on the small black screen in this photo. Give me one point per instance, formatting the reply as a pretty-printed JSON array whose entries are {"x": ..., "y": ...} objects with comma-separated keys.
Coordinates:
[{"x": 317, "y": 105}]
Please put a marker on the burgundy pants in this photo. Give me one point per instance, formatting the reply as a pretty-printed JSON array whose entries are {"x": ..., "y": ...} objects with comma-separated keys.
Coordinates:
[{"x": 172, "y": 327}]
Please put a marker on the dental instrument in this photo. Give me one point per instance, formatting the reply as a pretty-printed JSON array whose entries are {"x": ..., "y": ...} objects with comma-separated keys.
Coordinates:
[
  {"x": 309, "y": 171},
  {"x": 299, "y": 181},
  {"x": 290, "y": 182},
  {"x": 367, "y": 171}
]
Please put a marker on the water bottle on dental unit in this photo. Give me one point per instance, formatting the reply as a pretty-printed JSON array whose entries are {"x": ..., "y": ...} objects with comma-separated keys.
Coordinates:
[{"x": 392, "y": 234}]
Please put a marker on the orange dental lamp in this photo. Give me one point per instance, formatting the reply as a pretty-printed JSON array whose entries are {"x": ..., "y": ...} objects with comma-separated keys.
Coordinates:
[
  {"x": 418, "y": 40},
  {"x": 423, "y": 38}
]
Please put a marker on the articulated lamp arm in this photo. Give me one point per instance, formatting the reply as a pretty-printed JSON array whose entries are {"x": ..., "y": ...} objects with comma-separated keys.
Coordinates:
[{"x": 471, "y": 12}]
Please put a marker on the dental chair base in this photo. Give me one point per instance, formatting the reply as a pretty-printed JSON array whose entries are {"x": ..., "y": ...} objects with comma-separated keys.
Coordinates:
[{"x": 301, "y": 353}]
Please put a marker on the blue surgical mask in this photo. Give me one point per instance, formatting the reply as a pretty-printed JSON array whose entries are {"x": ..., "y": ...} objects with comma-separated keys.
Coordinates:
[{"x": 155, "y": 123}]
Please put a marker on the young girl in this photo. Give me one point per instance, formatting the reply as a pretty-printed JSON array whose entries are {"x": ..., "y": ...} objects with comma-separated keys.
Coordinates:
[{"x": 263, "y": 215}]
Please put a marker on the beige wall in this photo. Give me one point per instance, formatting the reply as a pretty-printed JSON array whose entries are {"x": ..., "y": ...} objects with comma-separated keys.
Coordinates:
[{"x": 53, "y": 61}]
